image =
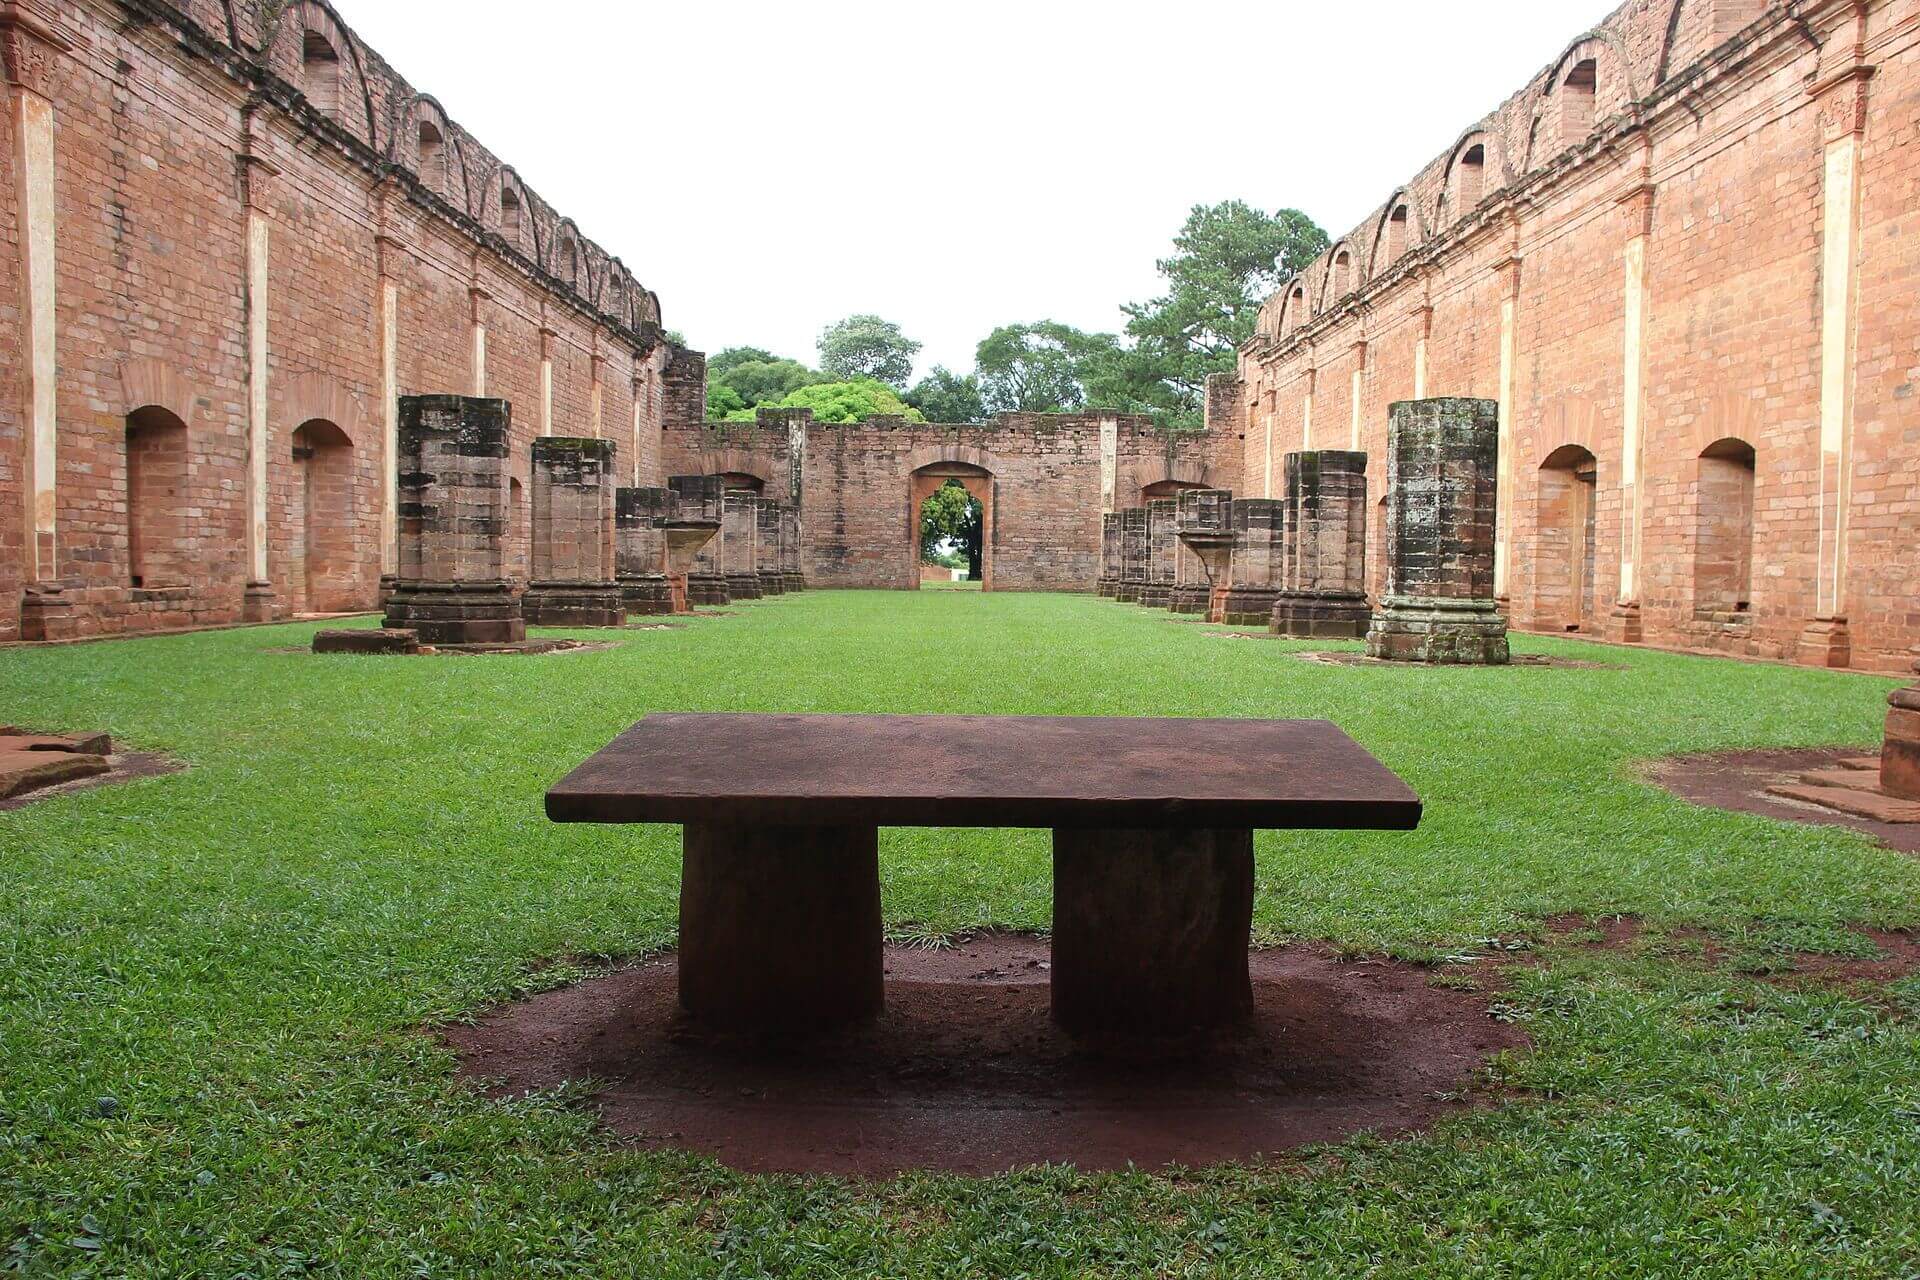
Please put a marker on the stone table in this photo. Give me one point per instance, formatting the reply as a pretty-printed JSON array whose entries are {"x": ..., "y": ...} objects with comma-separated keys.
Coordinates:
[{"x": 1152, "y": 824}]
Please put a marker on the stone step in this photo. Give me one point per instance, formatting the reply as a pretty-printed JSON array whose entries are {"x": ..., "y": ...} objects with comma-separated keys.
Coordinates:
[
  {"x": 1870, "y": 764},
  {"x": 1872, "y": 805},
  {"x": 1851, "y": 779},
  {"x": 23, "y": 771}
]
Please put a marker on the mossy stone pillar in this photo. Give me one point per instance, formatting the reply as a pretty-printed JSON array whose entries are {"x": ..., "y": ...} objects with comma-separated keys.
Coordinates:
[
  {"x": 1442, "y": 499},
  {"x": 1324, "y": 584},
  {"x": 451, "y": 586}
]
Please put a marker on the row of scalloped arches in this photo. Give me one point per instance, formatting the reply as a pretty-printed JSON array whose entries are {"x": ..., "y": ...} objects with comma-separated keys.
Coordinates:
[
  {"x": 303, "y": 40},
  {"x": 1510, "y": 142}
]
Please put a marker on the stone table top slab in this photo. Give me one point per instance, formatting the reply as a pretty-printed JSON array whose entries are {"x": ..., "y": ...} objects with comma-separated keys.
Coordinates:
[{"x": 985, "y": 771}]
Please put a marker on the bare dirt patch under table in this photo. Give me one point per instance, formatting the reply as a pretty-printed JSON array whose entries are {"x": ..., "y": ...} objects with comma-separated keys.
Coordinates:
[
  {"x": 1738, "y": 780},
  {"x": 966, "y": 1072}
]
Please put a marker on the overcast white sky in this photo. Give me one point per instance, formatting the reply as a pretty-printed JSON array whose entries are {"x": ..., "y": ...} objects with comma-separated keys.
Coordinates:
[{"x": 770, "y": 168}]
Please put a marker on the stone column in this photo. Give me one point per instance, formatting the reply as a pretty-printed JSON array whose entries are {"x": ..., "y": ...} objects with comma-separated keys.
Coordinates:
[
  {"x": 693, "y": 554},
  {"x": 1157, "y": 593},
  {"x": 1827, "y": 642},
  {"x": 1443, "y": 459},
  {"x": 1205, "y": 529},
  {"x": 1133, "y": 554},
  {"x": 1324, "y": 586},
  {"x": 1109, "y": 580},
  {"x": 452, "y": 506},
  {"x": 790, "y": 549},
  {"x": 640, "y": 549},
  {"x": 1625, "y": 624},
  {"x": 738, "y": 528},
  {"x": 773, "y": 578},
  {"x": 572, "y": 583},
  {"x": 257, "y": 603},
  {"x": 31, "y": 47},
  {"x": 1259, "y": 561},
  {"x": 1900, "y": 753}
]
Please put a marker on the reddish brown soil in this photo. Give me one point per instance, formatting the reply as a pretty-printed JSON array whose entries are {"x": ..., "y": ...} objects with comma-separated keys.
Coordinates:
[
  {"x": 1617, "y": 932},
  {"x": 965, "y": 1070},
  {"x": 127, "y": 766},
  {"x": 1899, "y": 958},
  {"x": 1738, "y": 780}
]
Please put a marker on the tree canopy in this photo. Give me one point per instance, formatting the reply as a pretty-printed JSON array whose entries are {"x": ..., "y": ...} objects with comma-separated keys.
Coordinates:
[
  {"x": 1035, "y": 368},
  {"x": 1227, "y": 259},
  {"x": 852, "y": 401},
  {"x": 867, "y": 346},
  {"x": 946, "y": 396}
]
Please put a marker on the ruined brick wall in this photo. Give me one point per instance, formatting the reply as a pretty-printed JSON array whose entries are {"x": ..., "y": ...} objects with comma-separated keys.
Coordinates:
[
  {"x": 1050, "y": 478},
  {"x": 1713, "y": 248},
  {"x": 257, "y": 225}
]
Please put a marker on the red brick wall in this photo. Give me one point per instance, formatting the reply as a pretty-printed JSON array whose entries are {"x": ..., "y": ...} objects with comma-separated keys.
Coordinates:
[
  {"x": 1046, "y": 489},
  {"x": 1706, "y": 104},
  {"x": 151, "y": 277}
]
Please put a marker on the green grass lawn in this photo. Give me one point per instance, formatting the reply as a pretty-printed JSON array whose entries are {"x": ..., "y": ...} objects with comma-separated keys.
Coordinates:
[{"x": 215, "y": 987}]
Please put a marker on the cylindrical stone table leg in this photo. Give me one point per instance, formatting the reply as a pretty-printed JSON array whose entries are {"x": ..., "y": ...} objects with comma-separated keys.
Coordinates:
[
  {"x": 780, "y": 926},
  {"x": 1150, "y": 930}
]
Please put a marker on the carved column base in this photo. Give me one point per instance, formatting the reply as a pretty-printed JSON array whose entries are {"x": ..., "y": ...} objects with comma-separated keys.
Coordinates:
[
  {"x": 457, "y": 612},
  {"x": 743, "y": 586},
  {"x": 707, "y": 589},
  {"x": 648, "y": 594},
  {"x": 47, "y": 612},
  {"x": 1900, "y": 754},
  {"x": 1825, "y": 643},
  {"x": 1188, "y": 598},
  {"x": 1623, "y": 625},
  {"x": 1309, "y": 616},
  {"x": 257, "y": 604},
  {"x": 772, "y": 584},
  {"x": 1155, "y": 595},
  {"x": 573, "y": 604},
  {"x": 1467, "y": 632},
  {"x": 1250, "y": 606}
]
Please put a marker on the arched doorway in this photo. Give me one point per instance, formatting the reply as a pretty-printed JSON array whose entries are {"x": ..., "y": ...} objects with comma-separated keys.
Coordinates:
[
  {"x": 741, "y": 482},
  {"x": 1723, "y": 534},
  {"x": 1565, "y": 538},
  {"x": 519, "y": 520},
  {"x": 157, "y": 553},
  {"x": 322, "y": 569},
  {"x": 973, "y": 533}
]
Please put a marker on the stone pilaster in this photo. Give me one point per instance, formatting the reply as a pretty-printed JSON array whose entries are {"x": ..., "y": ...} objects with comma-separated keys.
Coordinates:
[
  {"x": 1109, "y": 580},
  {"x": 790, "y": 549},
  {"x": 640, "y": 549},
  {"x": 1259, "y": 561},
  {"x": 693, "y": 538},
  {"x": 1324, "y": 584},
  {"x": 773, "y": 578},
  {"x": 1133, "y": 554},
  {"x": 1443, "y": 459},
  {"x": 739, "y": 531},
  {"x": 572, "y": 583},
  {"x": 1205, "y": 530},
  {"x": 452, "y": 515},
  {"x": 1157, "y": 592}
]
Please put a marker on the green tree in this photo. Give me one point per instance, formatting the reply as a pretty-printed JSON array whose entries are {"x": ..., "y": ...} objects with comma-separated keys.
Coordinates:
[
  {"x": 1035, "y": 368},
  {"x": 946, "y": 396},
  {"x": 866, "y": 346},
  {"x": 766, "y": 381},
  {"x": 723, "y": 400},
  {"x": 854, "y": 401},
  {"x": 951, "y": 514},
  {"x": 720, "y": 362},
  {"x": 1226, "y": 260}
]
